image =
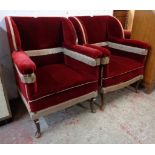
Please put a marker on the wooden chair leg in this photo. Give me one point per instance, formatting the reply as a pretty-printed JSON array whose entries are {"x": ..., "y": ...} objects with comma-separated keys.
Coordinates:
[
  {"x": 137, "y": 85},
  {"x": 37, "y": 124},
  {"x": 102, "y": 102},
  {"x": 92, "y": 105}
]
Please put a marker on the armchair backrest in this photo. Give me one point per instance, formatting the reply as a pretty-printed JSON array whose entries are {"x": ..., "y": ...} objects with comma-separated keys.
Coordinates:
[
  {"x": 97, "y": 28},
  {"x": 33, "y": 35}
]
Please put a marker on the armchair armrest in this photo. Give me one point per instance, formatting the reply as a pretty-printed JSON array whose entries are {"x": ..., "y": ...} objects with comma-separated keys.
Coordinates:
[
  {"x": 131, "y": 42},
  {"x": 25, "y": 67},
  {"x": 105, "y": 53},
  {"x": 23, "y": 62},
  {"x": 84, "y": 54},
  {"x": 129, "y": 45}
]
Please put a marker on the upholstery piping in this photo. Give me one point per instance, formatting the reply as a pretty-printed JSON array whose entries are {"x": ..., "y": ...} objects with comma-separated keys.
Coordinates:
[
  {"x": 123, "y": 73},
  {"x": 75, "y": 55},
  {"x": 121, "y": 85},
  {"x": 42, "y": 52},
  {"x": 122, "y": 47},
  {"x": 80, "y": 57},
  {"x": 82, "y": 29},
  {"x": 12, "y": 34},
  {"x": 58, "y": 107},
  {"x": 127, "y": 48},
  {"x": 120, "y": 25},
  {"x": 101, "y": 44},
  {"x": 60, "y": 91}
]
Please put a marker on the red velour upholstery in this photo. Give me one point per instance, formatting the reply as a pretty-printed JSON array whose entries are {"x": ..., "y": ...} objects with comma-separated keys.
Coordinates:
[
  {"x": 40, "y": 46},
  {"x": 105, "y": 51},
  {"x": 124, "y": 65},
  {"x": 37, "y": 33},
  {"x": 80, "y": 30},
  {"x": 94, "y": 53},
  {"x": 55, "y": 81},
  {"x": 94, "y": 29},
  {"x": 130, "y": 42},
  {"x": 23, "y": 62},
  {"x": 59, "y": 97},
  {"x": 68, "y": 28},
  {"x": 134, "y": 56},
  {"x": 127, "y": 34},
  {"x": 17, "y": 36},
  {"x": 58, "y": 93},
  {"x": 114, "y": 28},
  {"x": 82, "y": 68},
  {"x": 97, "y": 28},
  {"x": 121, "y": 69}
]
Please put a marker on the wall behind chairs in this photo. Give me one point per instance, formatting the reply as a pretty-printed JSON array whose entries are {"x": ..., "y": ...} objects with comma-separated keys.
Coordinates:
[
  {"x": 64, "y": 13},
  {"x": 5, "y": 58}
]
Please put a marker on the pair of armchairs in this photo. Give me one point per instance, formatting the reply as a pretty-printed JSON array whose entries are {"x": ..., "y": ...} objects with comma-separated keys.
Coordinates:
[{"x": 60, "y": 62}]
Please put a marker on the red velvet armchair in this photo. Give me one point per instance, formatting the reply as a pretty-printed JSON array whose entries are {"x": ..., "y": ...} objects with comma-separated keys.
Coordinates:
[
  {"x": 124, "y": 58},
  {"x": 52, "y": 72}
]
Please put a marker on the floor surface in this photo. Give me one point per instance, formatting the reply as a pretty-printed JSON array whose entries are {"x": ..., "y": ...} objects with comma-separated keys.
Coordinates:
[{"x": 128, "y": 117}]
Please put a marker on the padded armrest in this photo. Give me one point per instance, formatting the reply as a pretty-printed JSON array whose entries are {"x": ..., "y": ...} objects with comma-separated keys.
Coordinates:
[
  {"x": 88, "y": 51},
  {"x": 105, "y": 52},
  {"x": 131, "y": 42},
  {"x": 23, "y": 62},
  {"x": 84, "y": 54}
]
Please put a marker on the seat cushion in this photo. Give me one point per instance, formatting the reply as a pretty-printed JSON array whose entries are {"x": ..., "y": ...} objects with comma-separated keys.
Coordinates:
[
  {"x": 60, "y": 83},
  {"x": 121, "y": 69}
]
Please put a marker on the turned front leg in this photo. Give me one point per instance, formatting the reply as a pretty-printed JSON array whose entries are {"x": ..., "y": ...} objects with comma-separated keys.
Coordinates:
[
  {"x": 92, "y": 105},
  {"x": 38, "y": 132},
  {"x": 102, "y": 101}
]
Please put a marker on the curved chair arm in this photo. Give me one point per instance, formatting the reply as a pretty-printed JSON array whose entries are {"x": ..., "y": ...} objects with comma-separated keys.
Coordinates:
[
  {"x": 25, "y": 67},
  {"x": 105, "y": 53},
  {"x": 84, "y": 54}
]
